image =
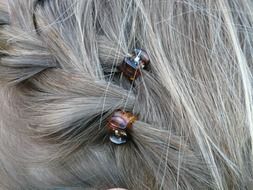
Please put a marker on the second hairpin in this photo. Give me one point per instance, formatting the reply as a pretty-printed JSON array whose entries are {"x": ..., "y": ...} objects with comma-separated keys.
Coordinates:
[{"x": 119, "y": 124}]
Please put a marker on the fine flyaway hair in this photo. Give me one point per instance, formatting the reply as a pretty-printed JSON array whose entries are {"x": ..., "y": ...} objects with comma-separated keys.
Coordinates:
[{"x": 60, "y": 82}]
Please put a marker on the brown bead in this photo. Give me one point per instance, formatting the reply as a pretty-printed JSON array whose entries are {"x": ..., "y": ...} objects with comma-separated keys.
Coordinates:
[
  {"x": 144, "y": 58},
  {"x": 118, "y": 125},
  {"x": 131, "y": 66}
]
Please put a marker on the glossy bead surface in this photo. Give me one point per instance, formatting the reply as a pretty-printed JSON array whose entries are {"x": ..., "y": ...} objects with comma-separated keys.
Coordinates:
[
  {"x": 131, "y": 66},
  {"x": 144, "y": 58},
  {"x": 119, "y": 123}
]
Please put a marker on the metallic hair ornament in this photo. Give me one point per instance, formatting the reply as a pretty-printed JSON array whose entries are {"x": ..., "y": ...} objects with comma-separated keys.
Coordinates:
[
  {"x": 131, "y": 66},
  {"x": 119, "y": 124}
]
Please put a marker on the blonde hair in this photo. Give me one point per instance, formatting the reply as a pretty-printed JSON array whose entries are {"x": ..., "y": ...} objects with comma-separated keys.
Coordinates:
[{"x": 59, "y": 83}]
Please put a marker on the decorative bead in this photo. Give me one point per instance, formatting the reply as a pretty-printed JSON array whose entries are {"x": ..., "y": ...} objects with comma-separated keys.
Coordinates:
[
  {"x": 131, "y": 66},
  {"x": 119, "y": 124}
]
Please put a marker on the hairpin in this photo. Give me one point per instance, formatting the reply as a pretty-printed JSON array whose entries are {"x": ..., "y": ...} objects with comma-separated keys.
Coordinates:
[
  {"x": 131, "y": 66},
  {"x": 119, "y": 124}
]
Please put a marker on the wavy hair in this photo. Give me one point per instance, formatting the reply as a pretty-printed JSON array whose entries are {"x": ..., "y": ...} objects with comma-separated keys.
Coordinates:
[{"x": 59, "y": 83}]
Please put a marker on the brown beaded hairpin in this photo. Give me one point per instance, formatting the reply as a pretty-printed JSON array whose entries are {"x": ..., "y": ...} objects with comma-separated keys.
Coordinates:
[
  {"x": 131, "y": 66},
  {"x": 119, "y": 124}
]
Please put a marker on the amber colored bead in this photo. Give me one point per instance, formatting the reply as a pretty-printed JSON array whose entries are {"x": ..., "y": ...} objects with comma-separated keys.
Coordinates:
[
  {"x": 131, "y": 66},
  {"x": 119, "y": 123}
]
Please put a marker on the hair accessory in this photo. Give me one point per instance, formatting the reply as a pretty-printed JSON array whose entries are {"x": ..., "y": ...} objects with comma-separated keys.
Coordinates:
[
  {"x": 119, "y": 124},
  {"x": 132, "y": 65}
]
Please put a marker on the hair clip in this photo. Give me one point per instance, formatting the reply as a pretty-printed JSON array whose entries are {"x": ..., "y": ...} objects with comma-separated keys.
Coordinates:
[
  {"x": 131, "y": 66},
  {"x": 119, "y": 123}
]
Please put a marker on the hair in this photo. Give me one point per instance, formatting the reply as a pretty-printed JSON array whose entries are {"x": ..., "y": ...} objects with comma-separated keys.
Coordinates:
[{"x": 59, "y": 83}]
